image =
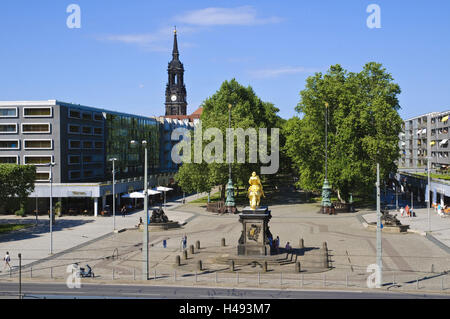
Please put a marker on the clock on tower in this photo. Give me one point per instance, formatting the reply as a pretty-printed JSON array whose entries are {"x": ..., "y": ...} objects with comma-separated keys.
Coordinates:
[{"x": 175, "y": 90}]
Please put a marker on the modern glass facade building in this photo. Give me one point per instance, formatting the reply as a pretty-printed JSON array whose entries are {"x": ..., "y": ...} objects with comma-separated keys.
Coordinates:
[{"x": 80, "y": 140}]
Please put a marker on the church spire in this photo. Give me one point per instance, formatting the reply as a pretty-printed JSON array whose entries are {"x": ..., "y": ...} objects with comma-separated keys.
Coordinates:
[{"x": 175, "y": 53}]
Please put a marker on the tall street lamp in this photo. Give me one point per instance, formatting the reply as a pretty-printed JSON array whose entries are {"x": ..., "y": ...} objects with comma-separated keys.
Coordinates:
[
  {"x": 379, "y": 225},
  {"x": 230, "y": 204},
  {"x": 429, "y": 158},
  {"x": 114, "y": 192},
  {"x": 145, "y": 264},
  {"x": 326, "y": 188},
  {"x": 51, "y": 164}
]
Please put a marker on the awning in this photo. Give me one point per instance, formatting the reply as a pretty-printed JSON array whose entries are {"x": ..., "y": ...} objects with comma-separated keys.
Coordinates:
[
  {"x": 445, "y": 119},
  {"x": 163, "y": 189},
  {"x": 140, "y": 194},
  {"x": 443, "y": 142}
]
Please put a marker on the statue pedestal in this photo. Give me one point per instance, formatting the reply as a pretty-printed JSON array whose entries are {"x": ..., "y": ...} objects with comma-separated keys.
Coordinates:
[{"x": 255, "y": 235}]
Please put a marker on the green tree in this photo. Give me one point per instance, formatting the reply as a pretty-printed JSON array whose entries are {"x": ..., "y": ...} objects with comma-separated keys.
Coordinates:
[
  {"x": 248, "y": 111},
  {"x": 363, "y": 129},
  {"x": 16, "y": 181}
]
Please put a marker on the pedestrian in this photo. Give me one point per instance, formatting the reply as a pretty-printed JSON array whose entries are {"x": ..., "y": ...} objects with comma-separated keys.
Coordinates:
[
  {"x": 277, "y": 244},
  {"x": 407, "y": 210},
  {"x": 288, "y": 247},
  {"x": 402, "y": 211},
  {"x": 123, "y": 210},
  {"x": 165, "y": 243},
  {"x": 184, "y": 241},
  {"x": 439, "y": 209},
  {"x": 7, "y": 259}
]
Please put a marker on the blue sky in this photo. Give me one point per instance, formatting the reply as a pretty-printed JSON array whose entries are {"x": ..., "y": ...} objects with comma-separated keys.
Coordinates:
[{"x": 118, "y": 58}]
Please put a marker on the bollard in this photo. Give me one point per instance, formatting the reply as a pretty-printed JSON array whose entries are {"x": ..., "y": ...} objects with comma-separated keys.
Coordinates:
[
  {"x": 231, "y": 265},
  {"x": 197, "y": 244},
  {"x": 302, "y": 243},
  {"x": 298, "y": 267},
  {"x": 432, "y": 268},
  {"x": 31, "y": 272},
  {"x": 185, "y": 254},
  {"x": 178, "y": 260},
  {"x": 199, "y": 265},
  {"x": 265, "y": 266},
  {"x": 191, "y": 248},
  {"x": 134, "y": 273},
  {"x": 223, "y": 242}
]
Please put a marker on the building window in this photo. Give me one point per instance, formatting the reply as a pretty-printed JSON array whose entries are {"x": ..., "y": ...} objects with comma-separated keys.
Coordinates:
[
  {"x": 98, "y": 130},
  {"x": 37, "y": 111},
  {"x": 8, "y": 128},
  {"x": 42, "y": 176},
  {"x": 87, "y": 130},
  {"x": 74, "y": 129},
  {"x": 74, "y": 159},
  {"x": 74, "y": 144},
  {"x": 87, "y": 159},
  {"x": 98, "y": 117},
  {"x": 9, "y": 159},
  {"x": 37, "y": 160},
  {"x": 74, "y": 174},
  {"x": 87, "y": 144},
  {"x": 8, "y": 112},
  {"x": 36, "y": 128},
  {"x": 98, "y": 144},
  {"x": 38, "y": 144},
  {"x": 87, "y": 116},
  {"x": 88, "y": 173},
  {"x": 74, "y": 114},
  {"x": 9, "y": 144}
]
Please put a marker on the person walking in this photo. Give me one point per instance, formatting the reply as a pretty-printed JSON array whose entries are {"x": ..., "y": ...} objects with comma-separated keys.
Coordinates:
[
  {"x": 184, "y": 241},
  {"x": 165, "y": 243},
  {"x": 123, "y": 210},
  {"x": 7, "y": 260}
]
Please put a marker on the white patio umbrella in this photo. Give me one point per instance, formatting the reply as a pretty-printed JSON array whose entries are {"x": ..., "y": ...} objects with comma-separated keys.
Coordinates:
[
  {"x": 140, "y": 194},
  {"x": 163, "y": 189}
]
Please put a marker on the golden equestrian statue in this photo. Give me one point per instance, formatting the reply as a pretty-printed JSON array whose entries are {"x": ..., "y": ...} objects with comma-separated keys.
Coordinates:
[{"x": 255, "y": 191}]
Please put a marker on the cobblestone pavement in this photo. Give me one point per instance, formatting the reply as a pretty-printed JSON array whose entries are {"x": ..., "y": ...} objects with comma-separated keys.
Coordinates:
[{"x": 410, "y": 261}]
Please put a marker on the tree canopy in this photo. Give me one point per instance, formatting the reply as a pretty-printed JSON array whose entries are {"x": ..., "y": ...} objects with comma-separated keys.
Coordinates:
[
  {"x": 16, "y": 181},
  {"x": 363, "y": 129},
  {"x": 248, "y": 111}
]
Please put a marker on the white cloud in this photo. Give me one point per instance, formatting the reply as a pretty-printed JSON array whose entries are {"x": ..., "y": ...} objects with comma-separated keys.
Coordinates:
[
  {"x": 159, "y": 41},
  {"x": 245, "y": 15},
  {"x": 141, "y": 86},
  {"x": 275, "y": 72}
]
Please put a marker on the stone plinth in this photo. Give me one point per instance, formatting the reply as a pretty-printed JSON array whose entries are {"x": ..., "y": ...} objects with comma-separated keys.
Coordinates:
[{"x": 255, "y": 234}]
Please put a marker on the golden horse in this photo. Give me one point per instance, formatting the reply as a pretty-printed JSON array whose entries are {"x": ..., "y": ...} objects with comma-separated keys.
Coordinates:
[{"x": 255, "y": 191}]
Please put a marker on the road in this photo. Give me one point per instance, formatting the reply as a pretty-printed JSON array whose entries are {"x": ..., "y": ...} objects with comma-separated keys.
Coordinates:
[{"x": 58, "y": 290}]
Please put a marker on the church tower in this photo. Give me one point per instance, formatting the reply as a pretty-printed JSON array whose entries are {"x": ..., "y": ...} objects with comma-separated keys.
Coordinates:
[{"x": 175, "y": 89}]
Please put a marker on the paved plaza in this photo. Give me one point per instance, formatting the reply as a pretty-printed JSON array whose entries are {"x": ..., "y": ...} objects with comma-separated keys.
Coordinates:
[{"x": 410, "y": 261}]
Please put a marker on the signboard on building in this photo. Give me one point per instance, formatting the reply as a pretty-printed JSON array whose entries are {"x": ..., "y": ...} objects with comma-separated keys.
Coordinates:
[{"x": 79, "y": 194}]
